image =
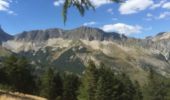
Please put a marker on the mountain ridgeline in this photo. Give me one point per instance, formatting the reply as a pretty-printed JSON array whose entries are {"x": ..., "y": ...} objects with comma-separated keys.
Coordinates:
[
  {"x": 86, "y": 33},
  {"x": 4, "y": 36},
  {"x": 69, "y": 50}
]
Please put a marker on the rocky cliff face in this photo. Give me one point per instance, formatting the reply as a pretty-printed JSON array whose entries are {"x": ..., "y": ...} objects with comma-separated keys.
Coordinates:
[
  {"x": 161, "y": 43},
  {"x": 86, "y": 33}
]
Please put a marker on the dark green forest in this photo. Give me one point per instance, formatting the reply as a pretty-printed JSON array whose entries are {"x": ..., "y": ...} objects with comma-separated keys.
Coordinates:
[{"x": 95, "y": 83}]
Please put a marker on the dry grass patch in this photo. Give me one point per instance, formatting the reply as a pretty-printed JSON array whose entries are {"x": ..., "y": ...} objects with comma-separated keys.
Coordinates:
[{"x": 18, "y": 96}]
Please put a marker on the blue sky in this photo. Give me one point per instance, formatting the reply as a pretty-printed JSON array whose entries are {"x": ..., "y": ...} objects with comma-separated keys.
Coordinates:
[{"x": 135, "y": 18}]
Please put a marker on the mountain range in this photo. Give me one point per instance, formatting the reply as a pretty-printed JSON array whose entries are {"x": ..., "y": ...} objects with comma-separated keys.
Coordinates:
[{"x": 69, "y": 50}]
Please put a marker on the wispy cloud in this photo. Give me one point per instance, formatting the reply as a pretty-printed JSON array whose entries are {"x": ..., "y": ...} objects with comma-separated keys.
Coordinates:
[
  {"x": 164, "y": 15},
  {"x": 89, "y": 23},
  {"x": 110, "y": 11},
  {"x": 58, "y": 2},
  {"x": 158, "y": 5},
  {"x": 149, "y": 15},
  {"x": 135, "y": 6},
  {"x": 166, "y": 5},
  {"x": 161, "y": 16},
  {"x": 122, "y": 28}
]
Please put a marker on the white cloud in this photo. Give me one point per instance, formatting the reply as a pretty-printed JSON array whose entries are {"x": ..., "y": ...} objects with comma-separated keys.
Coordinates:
[
  {"x": 89, "y": 23},
  {"x": 96, "y": 3},
  {"x": 166, "y": 5},
  {"x": 157, "y": 5},
  {"x": 164, "y": 15},
  {"x": 134, "y": 6},
  {"x": 122, "y": 28},
  {"x": 58, "y": 2},
  {"x": 5, "y": 5},
  {"x": 110, "y": 11}
]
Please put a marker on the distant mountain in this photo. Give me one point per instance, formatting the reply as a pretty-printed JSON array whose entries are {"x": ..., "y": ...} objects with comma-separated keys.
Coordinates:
[
  {"x": 86, "y": 33},
  {"x": 160, "y": 43},
  {"x": 161, "y": 36},
  {"x": 4, "y": 36},
  {"x": 69, "y": 50}
]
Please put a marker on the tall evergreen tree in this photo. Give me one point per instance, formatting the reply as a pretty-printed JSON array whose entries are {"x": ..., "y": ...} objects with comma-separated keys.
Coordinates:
[
  {"x": 89, "y": 83},
  {"x": 138, "y": 92},
  {"x": 3, "y": 76},
  {"x": 156, "y": 88},
  {"x": 70, "y": 86},
  {"x": 105, "y": 85},
  {"x": 58, "y": 85},
  {"x": 51, "y": 87},
  {"x": 19, "y": 74},
  {"x": 126, "y": 89}
]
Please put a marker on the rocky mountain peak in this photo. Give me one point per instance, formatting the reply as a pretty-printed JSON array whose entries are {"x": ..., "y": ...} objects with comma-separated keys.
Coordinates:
[
  {"x": 4, "y": 36},
  {"x": 39, "y": 35},
  {"x": 160, "y": 33},
  {"x": 86, "y": 28},
  {"x": 161, "y": 36},
  {"x": 82, "y": 32}
]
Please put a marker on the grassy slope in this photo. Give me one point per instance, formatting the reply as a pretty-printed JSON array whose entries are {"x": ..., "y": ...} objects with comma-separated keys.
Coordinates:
[
  {"x": 18, "y": 96},
  {"x": 4, "y": 52}
]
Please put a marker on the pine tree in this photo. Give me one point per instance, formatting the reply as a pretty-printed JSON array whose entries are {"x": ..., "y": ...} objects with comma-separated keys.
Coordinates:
[
  {"x": 19, "y": 74},
  {"x": 156, "y": 88},
  {"x": 89, "y": 83},
  {"x": 105, "y": 85},
  {"x": 70, "y": 87},
  {"x": 51, "y": 87},
  {"x": 126, "y": 89},
  {"x": 138, "y": 92},
  {"x": 3, "y": 76},
  {"x": 58, "y": 85}
]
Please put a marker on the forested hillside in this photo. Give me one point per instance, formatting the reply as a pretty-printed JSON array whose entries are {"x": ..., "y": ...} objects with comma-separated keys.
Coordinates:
[{"x": 96, "y": 83}]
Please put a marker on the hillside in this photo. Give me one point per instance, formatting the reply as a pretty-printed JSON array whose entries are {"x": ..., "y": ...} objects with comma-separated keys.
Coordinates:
[
  {"x": 66, "y": 54},
  {"x": 69, "y": 50}
]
